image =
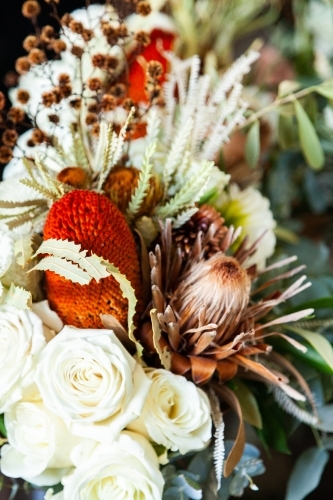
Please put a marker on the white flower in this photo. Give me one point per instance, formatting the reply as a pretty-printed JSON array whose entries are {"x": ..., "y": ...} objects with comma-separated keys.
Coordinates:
[
  {"x": 250, "y": 210},
  {"x": 176, "y": 414},
  {"x": 7, "y": 252},
  {"x": 127, "y": 470},
  {"x": 87, "y": 376},
  {"x": 39, "y": 444},
  {"x": 22, "y": 337}
]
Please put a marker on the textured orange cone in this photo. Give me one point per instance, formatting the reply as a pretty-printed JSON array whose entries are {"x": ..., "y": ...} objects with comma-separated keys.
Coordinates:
[{"x": 93, "y": 221}]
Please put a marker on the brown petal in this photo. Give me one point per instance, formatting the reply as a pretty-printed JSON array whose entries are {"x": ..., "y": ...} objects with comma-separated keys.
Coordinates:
[
  {"x": 202, "y": 369},
  {"x": 226, "y": 369},
  {"x": 173, "y": 335},
  {"x": 256, "y": 368},
  {"x": 203, "y": 342},
  {"x": 179, "y": 364},
  {"x": 158, "y": 299}
]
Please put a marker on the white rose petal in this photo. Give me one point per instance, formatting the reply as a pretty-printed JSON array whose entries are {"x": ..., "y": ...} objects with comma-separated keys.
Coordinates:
[
  {"x": 39, "y": 444},
  {"x": 127, "y": 470},
  {"x": 176, "y": 413},
  {"x": 88, "y": 377},
  {"x": 22, "y": 337}
]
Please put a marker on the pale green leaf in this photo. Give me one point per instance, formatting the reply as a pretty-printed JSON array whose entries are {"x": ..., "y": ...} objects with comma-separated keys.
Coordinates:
[
  {"x": 287, "y": 131},
  {"x": 325, "y": 91},
  {"x": 18, "y": 297},
  {"x": 64, "y": 268},
  {"x": 164, "y": 354},
  {"x": 318, "y": 342},
  {"x": 248, "y": 404},
  {"x": 252, "y": 145},
  {"x": 287, "y": 87},
  {"x": 23, "y": 250},
  {"x": 310, "y": 144}
]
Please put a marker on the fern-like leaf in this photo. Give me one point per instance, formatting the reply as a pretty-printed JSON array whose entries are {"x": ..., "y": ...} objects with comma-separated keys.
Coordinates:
[
  {"x": 219, "y": 450},
  {"x": 289, "y": 406},
  {"x": 183, "y": 217}
]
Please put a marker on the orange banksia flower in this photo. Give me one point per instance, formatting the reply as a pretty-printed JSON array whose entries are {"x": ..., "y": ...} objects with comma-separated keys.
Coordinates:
[{"x": 91, "y": 220}]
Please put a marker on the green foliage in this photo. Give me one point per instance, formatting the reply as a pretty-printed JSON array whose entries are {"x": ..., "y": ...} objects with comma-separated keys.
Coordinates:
[
  {"x": 252, "y": 145},
  {"x": 310, "y": 144}
]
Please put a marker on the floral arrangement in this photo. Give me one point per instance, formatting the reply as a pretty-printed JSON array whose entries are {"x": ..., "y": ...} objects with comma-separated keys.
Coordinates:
[{"x": 142, "y": 294}]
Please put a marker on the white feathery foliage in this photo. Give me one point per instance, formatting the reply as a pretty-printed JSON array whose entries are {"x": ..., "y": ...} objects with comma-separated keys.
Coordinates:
[
  {"x": 184, "y": 217},
  {"x": 153, "y": 126},
  {"x": 219, "y": 450},
  {"x": 289, "y": 406}
]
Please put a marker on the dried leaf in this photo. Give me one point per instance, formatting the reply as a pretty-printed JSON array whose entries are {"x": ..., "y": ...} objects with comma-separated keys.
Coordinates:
[
  {"x": 18, "y": 297},
  {"x": 23, "y": 250},
  {"x": 64, "y": 268},
  {"x": 164, "y": 354}
]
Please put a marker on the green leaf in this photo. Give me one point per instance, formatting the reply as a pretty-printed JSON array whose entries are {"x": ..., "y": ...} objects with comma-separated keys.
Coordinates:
[
  {"x": 252, "y": 145},
  {"x": 306, "y": 473},
  {"x": 249, "y": 405},
  {"x": 318, "y": 342},
  {"x": 287, "y": 132},
  {"x": 324, "y": 91},
  {"x": 322, "y": 303},
  {"x": 310, "y": 144},
  {"x": 287, "y": 87},
  {"x": 3, "y": 431}
]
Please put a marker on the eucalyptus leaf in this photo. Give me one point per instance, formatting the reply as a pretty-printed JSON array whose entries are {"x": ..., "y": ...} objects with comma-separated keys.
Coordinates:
[
  {"x": 252, "y": 145},
  {"x": 249, "y": 405},
  {"x": 324, "y": 91},
  {"x": 306, "y": 473},
  {"x": 310, "y": 144},
  {"x": 287, "y": 132},
  {"x": 318, "y": 342},
  {"x": 325, "y": 414}
]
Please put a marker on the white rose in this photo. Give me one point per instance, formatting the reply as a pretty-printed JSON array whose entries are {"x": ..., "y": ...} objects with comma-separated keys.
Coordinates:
[
  {"x": 22, "y": 337},
  {"x": 39, "y": 444},
  {"x": 176, "y": 413},
  {"x": 87, "y": 376},
  {"x": 126, "y": 470}
]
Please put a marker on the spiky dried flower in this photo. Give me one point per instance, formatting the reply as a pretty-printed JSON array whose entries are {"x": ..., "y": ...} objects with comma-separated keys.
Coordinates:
[
  {"x": 9, "y": 137},
  {"x": 30, "y": 42},
  {"x": 91, "y": 220},
  {"x": 208, "y": 322},
  {"x": 36, "y": 56},
  {"x": 22, "y": 65},
  {"x": 30, "y": 8},
  {"x": 16, "y": 115},
  {"x": 6, "y": 154},
  {"x": 22, "y": 96}
]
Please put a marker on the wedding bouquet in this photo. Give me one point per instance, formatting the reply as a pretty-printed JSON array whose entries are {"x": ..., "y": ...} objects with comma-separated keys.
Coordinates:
[{"x": 137, "y": 305}]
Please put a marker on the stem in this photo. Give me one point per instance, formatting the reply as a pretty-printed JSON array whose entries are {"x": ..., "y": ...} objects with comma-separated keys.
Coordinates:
[
  {"x": 279, "y": 102},
  {"x": 317, "y": 437}
]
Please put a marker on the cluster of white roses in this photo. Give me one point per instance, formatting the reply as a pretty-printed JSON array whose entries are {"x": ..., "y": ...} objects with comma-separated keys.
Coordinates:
[{"x": 80, "y": 409}]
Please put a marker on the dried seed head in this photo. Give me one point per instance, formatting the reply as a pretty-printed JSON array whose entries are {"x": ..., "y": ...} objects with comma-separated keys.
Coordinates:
[
  {"x": 51, "y": 97},
  {"x": 36, "y": 56},
  {"x": 218, "y": 285},
  {"x": 77, "y": 51},
  {"x": 47, "y": 34},
  {"x": 142, "y": 38},
  {"x": 2, "y": 101},
  {"x": 38, "y": 137},
  {"x": 91, "y": 118},
  {"x": 9, "y": 137},
  {"x": 76, "y": 27},
  {"x": 74, "y": 176},
  {"x": 22, "y": 65},
  {"x": 66, "y": 19},
  {"x": 154, "y": 70},
  {"x": 110, "y": 62},
  {"x": 98, "y": 60},
  {"x": 54, "y": 118},
  {"x": 22, "y": 96},
  {"x": 16, "y": 115},
  {"x": 108, "y": 103},
  {"x": 143, "y": 8},
  {"x": 76, "y": 103},
  {"x": 65, "y": 90},
  {"x": 30, "y": 42},
  {"x": 30, "y": 8},
  {"x": 118, "y": 90},
  {"x": 87, "y": 35},
  {"x": 95, "y": 84},
  {"x": 63, "y": 79},
  {"x": 59, "y": 46},
  {"x": 6, "y": 154}
]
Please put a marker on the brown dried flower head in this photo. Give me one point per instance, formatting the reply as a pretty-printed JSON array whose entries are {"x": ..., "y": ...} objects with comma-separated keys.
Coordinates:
[
  {"x": 47, "y": 34},
  {"x": 110, "y": 62},
  {"x": 74, "y": 176},
  {"x": 54, "y": 118},
  {"x": 154, "y": 70},
  {"x": 87, "y": 35},
  {"x": 118, "y": 90},
  {"x": 76, "y": 103},
  {"x": 143, "y": 8},
  {"x": 65, "y": 90},
  {"x": 22, "y": 65},
  {"x": 6, "y": 154},
  {"x": 36, "y": 56},
  {"x": 9, "y": 137},
  {"x": 108, "y": 103},
  {"x": 30, "y": 42},
  {"x": 95, "y": 84},
  {"x": 93, "y": 107},
  {"x": 98, "y": 60},
  {"x": 66, "y": 19},
  {"x": 76, "y": 27},
  {"x": 2, "y": 101},
  {"x": 16, "y": 115},
  {"x": 77, "y": 51},
  {"x": 22, "y": 96},
  {"x": 91, "y": 118},
  {"x": 30, "y": 8},
  {"x": 122, "y": 31},
  {"x": 59, "y": 46},
  {"x": 38, "y": 136},
  {"x": 142, "y": 37},
  {"x": 51, "y": 97}
]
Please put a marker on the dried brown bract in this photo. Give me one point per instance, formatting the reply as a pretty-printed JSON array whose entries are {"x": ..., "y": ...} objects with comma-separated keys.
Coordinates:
[
  {"x": 30, "y": 9},
  {"x": 22, "y": 96}
]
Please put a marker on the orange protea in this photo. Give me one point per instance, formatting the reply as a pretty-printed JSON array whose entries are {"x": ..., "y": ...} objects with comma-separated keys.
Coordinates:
[
  {"x": 91, "y": 220},
  {"x": 208, "y": 320}
]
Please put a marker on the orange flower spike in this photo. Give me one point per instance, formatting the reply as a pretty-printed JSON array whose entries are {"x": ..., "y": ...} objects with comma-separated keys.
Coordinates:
[
  {"x": 91, "y": 220},
  {"x": 152, "y": 52}
]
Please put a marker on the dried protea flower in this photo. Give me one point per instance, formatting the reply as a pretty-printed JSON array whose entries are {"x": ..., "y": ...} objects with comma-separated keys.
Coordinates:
[
  {"x": 74, "y": 176},
  {"x": 91, "y": 220},
  {"x": 30, "y": 8},
  {"x": 22, "y": 96},
  {"x": 22, "y": 65},
  {"x": 121, "y": 184},
  {"x": 208, "y": 323},
  {"x": 30, "y": 42},
  {"x": 206, "y": 221},
  {"x": 9, "y": 137}
]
